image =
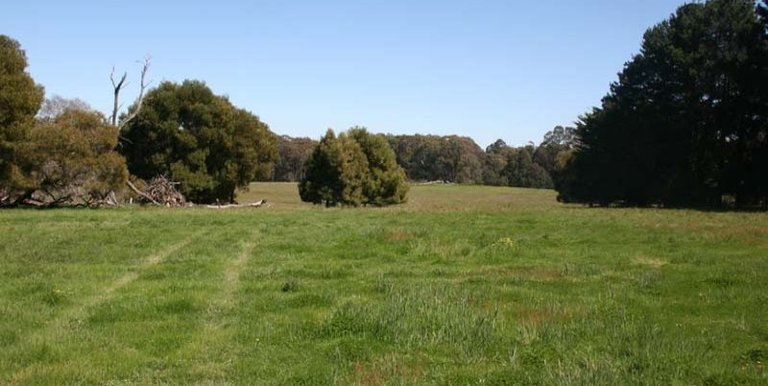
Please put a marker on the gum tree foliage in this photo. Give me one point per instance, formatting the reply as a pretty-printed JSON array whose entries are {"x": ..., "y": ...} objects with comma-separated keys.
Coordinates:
[
  {"x": 357, "y": 168},
  {"x": 459, "y": 160},
  {"x": 73, "y": 159},
  {"x": 434, "y": 158},
  {"x": 199, "y": 139},
  {"x": 20, "y": 99},
  {"x": 292, "y": 154},
  {"x": 522, "y": 172},
  {"x": 518, "y": 166},
  {"x": 495, "y": 163},
  {"x": 555, "y": 148},
  {"x": 66, "y": 157},
  {"x": 555, "y": 141},
  {"x": 686, "y": 124}
]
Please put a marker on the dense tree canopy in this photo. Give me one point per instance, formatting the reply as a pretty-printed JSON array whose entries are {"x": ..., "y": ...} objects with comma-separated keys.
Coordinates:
[
  {"x": 505, "y": 165},
  {"x": 460, "y": 160},
  {"x": 292, "y": 155},
  {"x": 334, "y": 172},
  {"x": 355, "y": 168},
  {"x": 527, "y": 166},
  {"x": 20, "y": 99},
  {"x": 73, "y": 159},
  {"x": 687, "y": 121},
  {"x": 554, "y": 149},
  {"x": 457, "y": 159},
  {"x": 521, "y": 171},
  {"x": 435, "y": 158},
  {"x": 199, "y": 139}
]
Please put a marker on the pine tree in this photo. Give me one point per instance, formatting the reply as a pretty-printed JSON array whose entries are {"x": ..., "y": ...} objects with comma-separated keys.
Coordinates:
[{"x": 686, "y": 122}]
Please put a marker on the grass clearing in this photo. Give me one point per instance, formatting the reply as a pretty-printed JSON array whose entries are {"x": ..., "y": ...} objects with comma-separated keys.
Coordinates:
[{"x": 461, "y": 285}]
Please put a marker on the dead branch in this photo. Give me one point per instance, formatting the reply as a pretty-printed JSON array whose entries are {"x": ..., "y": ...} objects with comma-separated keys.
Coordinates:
[
  {"x": 118, "y": 86},
  {"x": 158, "y": 194},
  {"x": 228, "y": 206},
  {"x": 36, "y": 203},
  {"x": 140, "y": 193}
]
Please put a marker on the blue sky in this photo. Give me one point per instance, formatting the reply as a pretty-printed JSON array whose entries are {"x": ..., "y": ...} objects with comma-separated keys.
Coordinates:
[{"x": 484, "y": 69}]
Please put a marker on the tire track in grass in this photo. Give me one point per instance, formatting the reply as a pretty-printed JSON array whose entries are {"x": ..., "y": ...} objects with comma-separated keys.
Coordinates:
[
  {"x": 130, "y": 277},
  {"x": 212, "y": 354},
  {"x": 61, "y": 325}
]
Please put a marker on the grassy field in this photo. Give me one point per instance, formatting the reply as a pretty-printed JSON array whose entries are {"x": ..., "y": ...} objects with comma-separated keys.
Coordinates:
[{"x": 462, "y": 285}]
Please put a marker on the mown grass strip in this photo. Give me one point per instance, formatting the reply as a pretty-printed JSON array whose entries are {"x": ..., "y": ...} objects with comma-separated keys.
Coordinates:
[{"x": 210, "y": 356}]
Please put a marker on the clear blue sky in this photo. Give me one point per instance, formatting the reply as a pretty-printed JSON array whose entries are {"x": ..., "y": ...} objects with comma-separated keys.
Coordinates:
[{"x": 485, "y": 69}]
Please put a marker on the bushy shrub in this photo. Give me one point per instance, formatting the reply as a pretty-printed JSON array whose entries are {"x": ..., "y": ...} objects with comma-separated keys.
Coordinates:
[
  {"x": 73, "y": 161},
  {"x": 357, "y": 168}
]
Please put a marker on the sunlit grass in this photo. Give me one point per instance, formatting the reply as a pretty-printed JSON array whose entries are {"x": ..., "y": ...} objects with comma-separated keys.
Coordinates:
[{"x": 461, "y": 285}]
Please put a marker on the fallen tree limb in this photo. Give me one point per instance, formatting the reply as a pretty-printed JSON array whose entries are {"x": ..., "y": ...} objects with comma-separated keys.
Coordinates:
[
  {"x": 228, "y": 206},
  {"x": 35, "y": 203},
  {"x": 140, "y": 193}
]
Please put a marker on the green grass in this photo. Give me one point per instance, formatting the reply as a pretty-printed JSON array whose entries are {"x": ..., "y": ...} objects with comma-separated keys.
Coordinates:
[{"x": 461, "y": 285}]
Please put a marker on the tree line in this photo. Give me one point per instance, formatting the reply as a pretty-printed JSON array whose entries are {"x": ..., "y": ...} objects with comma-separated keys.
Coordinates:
[
  {"x": 359, "y": 168},
  {"x": 60, "y": 151},
  {"x": 452, "y": 159},
  {"x": 685, "y": 125}
]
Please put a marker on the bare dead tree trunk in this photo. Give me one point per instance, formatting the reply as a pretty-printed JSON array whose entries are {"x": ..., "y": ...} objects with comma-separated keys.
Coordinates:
[{"x": 117, "y": 86}]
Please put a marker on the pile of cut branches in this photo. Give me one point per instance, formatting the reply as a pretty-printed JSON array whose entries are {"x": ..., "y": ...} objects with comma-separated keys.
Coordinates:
[{"x": 161, "y": 191}]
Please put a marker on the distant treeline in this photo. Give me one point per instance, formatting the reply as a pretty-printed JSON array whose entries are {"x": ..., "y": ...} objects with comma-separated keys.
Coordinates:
[{"x": 452, "y": 159}]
